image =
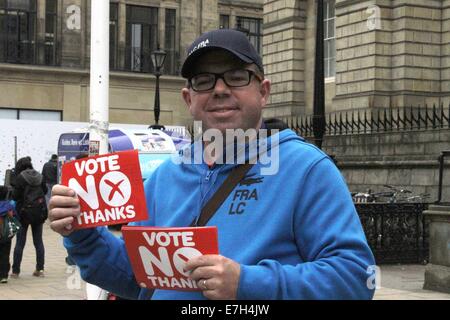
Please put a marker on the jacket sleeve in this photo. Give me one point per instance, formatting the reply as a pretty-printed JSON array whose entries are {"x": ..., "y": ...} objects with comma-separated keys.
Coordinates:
[
  {"x": 330, "y": 241},
  {"x": 103, "y": 261}
]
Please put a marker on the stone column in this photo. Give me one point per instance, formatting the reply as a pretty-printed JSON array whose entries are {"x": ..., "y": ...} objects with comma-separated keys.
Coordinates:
[
  {"x": 210, "y": 15},
  {"x": 122, "y": 33},
  {"x": 196, "y": 17},
  {"x": 437, "y": 272},
  {"x": 189, "y": 25},
  {"x": 73, "y": 33},
  {"x": 284, "y": 55},
  {"x": 161, "y": 26},
  {"x": 388, "y": 53},
  {"x": 445, "y": 51},
  {"x": 40, "y": 32}
]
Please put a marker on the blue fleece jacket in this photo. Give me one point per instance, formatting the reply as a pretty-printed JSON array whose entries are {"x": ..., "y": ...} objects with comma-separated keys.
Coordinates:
[{"x": 295, "y": 234}]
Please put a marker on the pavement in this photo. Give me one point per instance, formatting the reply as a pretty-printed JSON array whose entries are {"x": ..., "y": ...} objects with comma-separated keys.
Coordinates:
[{"x": 61, "y": 282}]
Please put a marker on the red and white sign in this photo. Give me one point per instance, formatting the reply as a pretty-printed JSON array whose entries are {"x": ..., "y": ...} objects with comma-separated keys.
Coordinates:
[
  {"x": 109, "y": 187},
  {"x": 158, "y": 255}
]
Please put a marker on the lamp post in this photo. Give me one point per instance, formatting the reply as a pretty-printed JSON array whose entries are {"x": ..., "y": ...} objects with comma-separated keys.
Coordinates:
[
  {"x": 319, "y": 79},
  {"x": 158, "y": 58}
]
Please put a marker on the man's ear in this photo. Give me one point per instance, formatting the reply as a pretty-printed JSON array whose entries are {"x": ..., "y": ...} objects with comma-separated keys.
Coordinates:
[
  {"x": 265, "y": 92},
  {"x": 186, "y": 94}
]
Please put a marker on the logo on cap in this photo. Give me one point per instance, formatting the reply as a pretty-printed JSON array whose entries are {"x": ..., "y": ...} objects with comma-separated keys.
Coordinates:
[{"x": 202, "y": 44}]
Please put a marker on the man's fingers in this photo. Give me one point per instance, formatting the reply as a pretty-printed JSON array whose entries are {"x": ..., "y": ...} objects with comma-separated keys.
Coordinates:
[
  {"x": 203, "y": 273},
  {"x": 57, "y": 201},
  {"x": 64, "y": 207},
  {"x": 200, "y": 261},
  {"x": 60, "y": 190},
  {"x": 61, "y": 213},
  {"x": 62, "y": 226}
]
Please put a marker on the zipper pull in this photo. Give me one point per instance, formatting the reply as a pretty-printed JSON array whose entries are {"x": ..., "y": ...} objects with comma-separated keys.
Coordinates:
[{"x": 208, "y": 175}]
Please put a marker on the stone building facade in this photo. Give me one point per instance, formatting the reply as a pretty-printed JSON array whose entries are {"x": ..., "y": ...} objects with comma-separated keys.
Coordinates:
[
  {"x": 378, "y": 54},
  {"x": 383, "y": 53},
  {"x": 45, "y": 49},
  {"x": 387, "y": 53}
]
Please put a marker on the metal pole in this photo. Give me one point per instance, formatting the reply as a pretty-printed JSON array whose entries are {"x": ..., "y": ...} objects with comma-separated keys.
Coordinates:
[
  {"x": 99, "y": 97},
  {"x": 15, "y": 150},
  {"x": 157, "y": 109},
  {"x": 441, "y": 173},
  {"x": 99, "y": 81},
  {"x": 319, "y": 80}
]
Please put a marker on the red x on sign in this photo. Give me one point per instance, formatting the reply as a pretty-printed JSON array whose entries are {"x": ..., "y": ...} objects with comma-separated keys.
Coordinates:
[{"x": 109, "y": 187}]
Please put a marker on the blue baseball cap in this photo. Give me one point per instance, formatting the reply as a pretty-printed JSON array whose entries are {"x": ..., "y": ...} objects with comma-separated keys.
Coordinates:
[{"x": 233, "y": 41}]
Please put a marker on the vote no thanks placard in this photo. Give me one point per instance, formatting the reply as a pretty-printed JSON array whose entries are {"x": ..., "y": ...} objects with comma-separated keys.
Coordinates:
[
  {"x": 158, "y": 255},
  {"x": 109, "y": 188}
]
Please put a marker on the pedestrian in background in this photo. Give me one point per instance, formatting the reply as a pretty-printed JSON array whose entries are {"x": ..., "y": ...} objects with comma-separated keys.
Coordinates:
[
  {"x": 29, "y": 193},
  {"x": 50, "y": 174},
  {"x": 16, "y": 170},
  {"x": 6, "y": 208}
]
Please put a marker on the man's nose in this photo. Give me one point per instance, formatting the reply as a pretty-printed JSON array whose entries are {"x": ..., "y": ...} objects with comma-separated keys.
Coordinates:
[{"x": 221, "y": 87}]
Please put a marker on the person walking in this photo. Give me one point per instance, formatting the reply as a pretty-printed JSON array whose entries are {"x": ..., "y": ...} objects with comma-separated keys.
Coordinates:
[{"x": 29, "y": 194}]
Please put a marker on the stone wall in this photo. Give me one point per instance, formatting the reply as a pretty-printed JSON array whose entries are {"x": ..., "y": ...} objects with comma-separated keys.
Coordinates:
[
  {"x": 284, "y": 55},
  {"x": 403, "y": 159},
  {"x": 445, "y": 52},
  {"x": 67, "y": 90},
  {"x": 388, "y": 53}
]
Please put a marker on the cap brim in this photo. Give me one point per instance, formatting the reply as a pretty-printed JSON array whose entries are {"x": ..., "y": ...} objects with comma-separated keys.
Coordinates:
[{"x": 186, "y": 69}]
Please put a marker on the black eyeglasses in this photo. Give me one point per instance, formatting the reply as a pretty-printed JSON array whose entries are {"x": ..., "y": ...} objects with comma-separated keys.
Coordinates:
[{"x": 232, "y": 78}]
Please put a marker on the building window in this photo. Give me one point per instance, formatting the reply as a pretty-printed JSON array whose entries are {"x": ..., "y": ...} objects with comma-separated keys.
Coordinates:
[
  {"x": 171, "y": 62},
  {"x": 224, "y": 22},
  {"x": 23, "y": 114},
  {"x": 141, "y": 37},
  {"x": 113, "y": 23},
  {"x": 17, "y": 31},
  {"x": 329, "y": 38},
  {"x": 11, "y": 114},
  {"x": 253, "y": 27},
  {"x": 50, "y": 31}
]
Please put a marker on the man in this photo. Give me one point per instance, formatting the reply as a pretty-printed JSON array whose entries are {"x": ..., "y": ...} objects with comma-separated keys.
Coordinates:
[
  {"x": 295, "y": 234},
  {"x": 50, "y": 174}
]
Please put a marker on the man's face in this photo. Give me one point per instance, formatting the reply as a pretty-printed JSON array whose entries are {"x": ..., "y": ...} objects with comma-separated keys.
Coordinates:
[{"x": 225, "y": 107}]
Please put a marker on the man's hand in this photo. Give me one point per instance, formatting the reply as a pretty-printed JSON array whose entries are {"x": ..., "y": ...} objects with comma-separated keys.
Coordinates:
[
  {"x": 216, "y": 275},
  {"x": 64, "y": 207}
]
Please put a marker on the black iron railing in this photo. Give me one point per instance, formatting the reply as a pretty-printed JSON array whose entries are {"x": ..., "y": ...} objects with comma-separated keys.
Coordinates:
[
  {"x": 396, "y": 233},
  {"x": 372, "y": 121},
  {"x": 30, "y": 52},
  {"x": 375, "y": 120}
]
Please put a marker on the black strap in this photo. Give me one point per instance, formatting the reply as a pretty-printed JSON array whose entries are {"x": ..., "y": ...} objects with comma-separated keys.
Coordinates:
[{"x": 236, "y": 175}]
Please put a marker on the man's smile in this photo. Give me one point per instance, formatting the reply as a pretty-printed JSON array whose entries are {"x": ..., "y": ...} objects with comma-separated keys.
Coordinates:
[{"x": 223, "y": 110}]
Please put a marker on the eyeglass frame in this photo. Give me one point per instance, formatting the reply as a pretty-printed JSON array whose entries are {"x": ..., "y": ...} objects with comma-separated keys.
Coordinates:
[{"x": 222, "y": 76}]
